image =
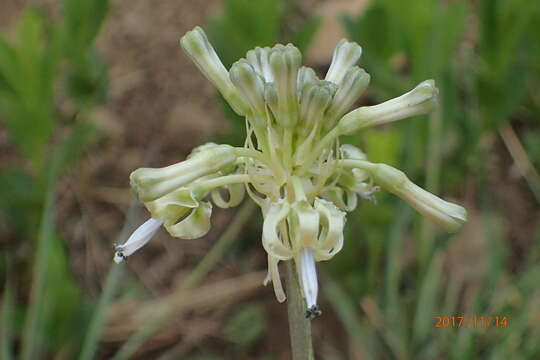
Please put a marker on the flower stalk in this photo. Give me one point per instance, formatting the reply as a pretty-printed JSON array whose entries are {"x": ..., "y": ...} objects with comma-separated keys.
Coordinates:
[{"x": 299, "y": 324}]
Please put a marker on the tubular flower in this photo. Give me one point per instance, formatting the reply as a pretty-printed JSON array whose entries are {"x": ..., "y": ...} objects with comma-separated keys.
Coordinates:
[{"x": 291, "y": 164}]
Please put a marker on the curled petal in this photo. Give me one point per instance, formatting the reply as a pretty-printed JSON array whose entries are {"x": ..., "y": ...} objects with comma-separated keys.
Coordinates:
[
  {"x": 273, "y": 275},
  {"x": 304, "y": 226},
  {"x": 335, "y": 194},
  {"x": 236, "y": 195},
  {"x": 195, "y": 225},
  {"x": 272, "y": 243},
  {"x": 332, "y": 223},
  {"x": 174, "y": 205}
]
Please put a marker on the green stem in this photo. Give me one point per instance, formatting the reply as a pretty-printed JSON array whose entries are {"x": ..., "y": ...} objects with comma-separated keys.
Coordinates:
[
  {"x": 171, "y": 307},
  {"x": 299, "y": 325},
  {"x": 93, "y": 335},
  {"x": 33, "y": 329}
]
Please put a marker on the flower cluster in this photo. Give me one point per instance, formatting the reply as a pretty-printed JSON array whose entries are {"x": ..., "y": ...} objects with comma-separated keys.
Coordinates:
[{"x": 292, "y": 164}]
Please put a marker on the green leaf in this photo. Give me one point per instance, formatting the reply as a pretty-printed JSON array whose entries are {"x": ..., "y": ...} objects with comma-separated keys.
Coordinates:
[
  {"x": 28, "y": 69},
  {"x": 82, "y": 23},
  {"x": 71, "y": 147},
  {"x": 87, "y": 79},
  {"x": 19, "y": 200},
  {"x": 35, "y": 317}
]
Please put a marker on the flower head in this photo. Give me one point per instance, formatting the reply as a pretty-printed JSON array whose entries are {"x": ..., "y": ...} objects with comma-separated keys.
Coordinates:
[{"x": 292, "y": 165}]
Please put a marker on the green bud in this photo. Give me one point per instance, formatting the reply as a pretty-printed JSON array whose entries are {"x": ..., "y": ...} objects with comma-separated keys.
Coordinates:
[
  {"x": 250, "y": 85},
  {"x": 421, "y": 100},
  {"x": 284, "y": 62},
  {"x": 315, "y": 97},
  {"x": 198, "y": 48},
  {"x": 305, "y": 75},
  {"x": 258, "y": 58},
  {"x": 450, "y": 216},
  {"x": 151, "y": 183},
  {"x": 353, "y": 85},
  {"x": 346, "y": 55}
]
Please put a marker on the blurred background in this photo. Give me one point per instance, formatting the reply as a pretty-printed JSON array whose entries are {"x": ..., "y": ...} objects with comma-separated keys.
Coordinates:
[{"x": 92, "y": 89}]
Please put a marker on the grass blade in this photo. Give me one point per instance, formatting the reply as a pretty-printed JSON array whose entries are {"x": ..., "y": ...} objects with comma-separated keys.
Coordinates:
[
  {"x": 98, "y": 318},
  {"x": 34, "y": 318}
]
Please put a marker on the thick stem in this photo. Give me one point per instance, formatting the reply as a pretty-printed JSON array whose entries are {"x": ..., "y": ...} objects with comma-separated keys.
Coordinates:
[{"x": 299, "y": 325}]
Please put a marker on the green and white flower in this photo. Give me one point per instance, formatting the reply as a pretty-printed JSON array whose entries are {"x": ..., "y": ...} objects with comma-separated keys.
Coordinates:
[{"x": 292, "y": 164}]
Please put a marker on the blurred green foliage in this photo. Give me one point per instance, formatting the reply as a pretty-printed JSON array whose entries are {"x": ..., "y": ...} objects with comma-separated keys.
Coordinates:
[{"x": 47, "y": 66}]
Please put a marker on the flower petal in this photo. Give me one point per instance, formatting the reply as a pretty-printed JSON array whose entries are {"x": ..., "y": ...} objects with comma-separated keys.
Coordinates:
[
  {"x": 304, "y": 225},
  {"x": 273, "y": 275},
  {"x": 195, "y": 225},
  {"x": 174, "y": 205},
  {"x": 335, "y": 194},
  {"x": 332, "y": 223},
  {"x": 236, "y": 195},
  {"x": 272, "y": 243}
]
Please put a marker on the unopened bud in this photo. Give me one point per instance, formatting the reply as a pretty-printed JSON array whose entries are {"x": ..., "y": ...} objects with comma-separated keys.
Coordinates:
[
  {"x": 151, "y": 183},
  {"x": 420, "y": 100},
  {"x": 284, "y": 63},
  {"x": 346, "y": 55},
  {"x": 198, "y": 48},
  {"x": 353, "y": 85}
]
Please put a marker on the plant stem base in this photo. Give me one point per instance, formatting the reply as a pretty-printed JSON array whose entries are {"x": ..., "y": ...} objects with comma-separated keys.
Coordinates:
[{"x": 299, "y": 325}]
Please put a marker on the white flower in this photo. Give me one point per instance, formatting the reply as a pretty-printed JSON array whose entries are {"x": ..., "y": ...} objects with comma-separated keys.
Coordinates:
[
  {"x": 291, "y": 165},
  {"x": 138, "y": 239}
]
